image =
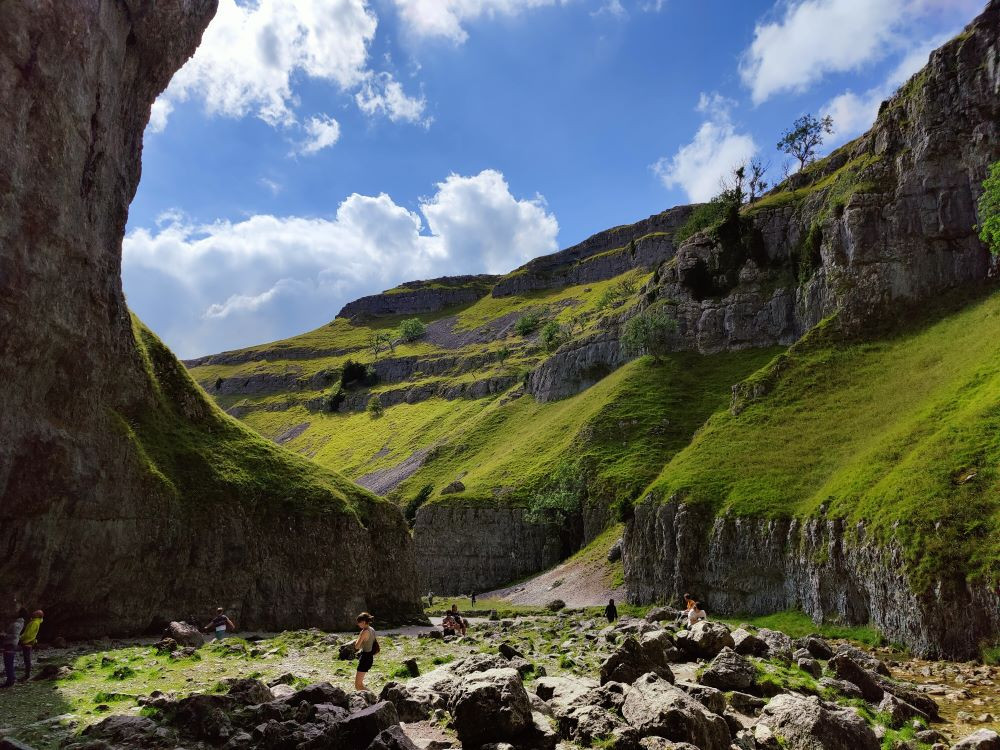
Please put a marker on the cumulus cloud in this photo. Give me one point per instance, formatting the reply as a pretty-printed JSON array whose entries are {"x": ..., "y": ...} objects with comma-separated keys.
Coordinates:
[
  {"x": 813, "y": 38},
  {"x": 321, "y": 132},
  {"x": 699, "y": 166},
  {"x": 250, "y": 54},
  {"x": 208, "y": 287},
  {"x": 382, "y": 94},
  {"x": 445, "y": 18}
]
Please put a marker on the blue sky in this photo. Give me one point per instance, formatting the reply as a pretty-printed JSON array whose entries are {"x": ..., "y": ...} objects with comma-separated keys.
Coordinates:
[{"x": 317, "y": 150}]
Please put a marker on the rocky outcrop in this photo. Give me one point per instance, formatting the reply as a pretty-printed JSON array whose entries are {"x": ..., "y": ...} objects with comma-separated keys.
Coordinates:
[
  {"x": 602, "y": 256},
  {"x": 415, "y": 297},
  {"x": 126, "y": 498},
  {"x": 821, "y": 566},
  {"x": 475, "y": 547}
]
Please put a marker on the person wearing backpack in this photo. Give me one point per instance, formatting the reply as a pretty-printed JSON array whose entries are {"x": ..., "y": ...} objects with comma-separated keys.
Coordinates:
[{"x": 367, "y": 646}]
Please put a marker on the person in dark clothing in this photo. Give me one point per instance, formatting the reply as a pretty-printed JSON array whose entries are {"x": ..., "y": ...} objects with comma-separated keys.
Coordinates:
[
  {"x": 461, "y": 625},
  {"x": 611, "y": 611},
  {"x": 367, "y": 647},
  {"x": 10, "y": 639},
  {"x": 220, "y": 624},
  {"x": 472, "y": 597}
]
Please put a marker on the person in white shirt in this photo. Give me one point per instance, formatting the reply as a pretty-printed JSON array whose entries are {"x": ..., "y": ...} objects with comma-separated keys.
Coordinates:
[{"x": 695, "y": 614}]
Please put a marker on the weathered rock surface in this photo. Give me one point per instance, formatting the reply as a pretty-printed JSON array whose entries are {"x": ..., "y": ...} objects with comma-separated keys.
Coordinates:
[
  {"x": 730, "y": 671},
  {"x": 498, "y": 545},
  {"x": 491, "y": 706},
  {"x": 83, "y": 386},
  {"x": 802, "y": 723},
  {"x": 634, "y": 658},
  {"x": 415, "y": 297},
  {"x": 655, "y": 707},
  {"x": 705, "y": 639}
]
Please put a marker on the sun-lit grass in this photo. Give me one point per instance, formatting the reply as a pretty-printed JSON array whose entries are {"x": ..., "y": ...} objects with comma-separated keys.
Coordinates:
[{"x": 797, "y": 624}]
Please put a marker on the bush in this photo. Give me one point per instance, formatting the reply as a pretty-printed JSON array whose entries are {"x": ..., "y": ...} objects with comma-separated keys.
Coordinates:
[
  {"x": 989, "y": 210},
  {"x": 335, "y": 398},
  {"x": 528, "y": 323},
  {"x": 562, "y": 499},
  {"x": 353, "y": 373},
  {"x": 705, "y": 216},
  {"x": 616, "y": 293},
  {"x": 648, "y": 332},
  {"x": 555, "y": 605},
  {"x": 374, "y": 407},
  {"x": 552, "y": 336},
  {"x": 414, "y": 505},
  {"x": 412, "y": 329}
]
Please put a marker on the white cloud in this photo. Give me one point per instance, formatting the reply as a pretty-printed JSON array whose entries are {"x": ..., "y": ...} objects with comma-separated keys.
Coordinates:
[
  {"x": 854, "y": 113},
  {"x": 321, "y": 132},
  {"x": 697, "y": 167},
  {"x": 382, "y": 94},
  {"x": 159, "y": 113},
  {"x": 445, "y": 18},
  {"x": 273, "y": 185},
  {"x": 210, "y": 287},
  {"x": 251, "y": 53},
  {"x": 613, "y": 8},
  {"x": 653, "y": 6},
  {"x": 816, "y": 37}
]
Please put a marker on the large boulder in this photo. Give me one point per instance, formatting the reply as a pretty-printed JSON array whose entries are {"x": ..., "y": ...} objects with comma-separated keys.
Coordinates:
[
  {"x": 634, "y": 658},
  {"x": 360, "y": 728},
  {"x": 413, "y": 703},
  {"x": 865, "y": 659},
  {"x": 205, "y": 717},
  {"x": 730, "y": 671},
  {"x": 392, "y": 738},
  {"x": 899, "y": 712},
  {"x": 779, "y": 645},
  {"x": 491, "y": 706},
  {"x": 982, "y": 739},
  {"x": 874, "y": 686},
  {"x": 705, "y": 639},
  {"x": 563, "y": 693},
  {"x": 653, "y": 706},
  {"x": 584, "y": 724},
  {"x": 250, "y": 692},
  {"x": 747, "y": 644},
  {"x": 801, "y": 723},
  {"x": 184, "y": 634}
]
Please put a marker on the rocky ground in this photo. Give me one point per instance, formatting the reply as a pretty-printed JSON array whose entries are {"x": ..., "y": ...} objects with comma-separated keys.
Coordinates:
[{"x": 529, "y": 682}]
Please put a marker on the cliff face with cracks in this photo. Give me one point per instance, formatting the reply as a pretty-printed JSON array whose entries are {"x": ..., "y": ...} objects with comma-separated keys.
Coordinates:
[
  {"x": 126, "y": 497},
  {"x": 828, "y": 569}
]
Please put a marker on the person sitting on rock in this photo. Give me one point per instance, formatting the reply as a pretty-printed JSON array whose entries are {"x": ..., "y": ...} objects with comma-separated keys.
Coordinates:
[
  {"x": 695, "y": 614},
  {"x": 9, "y": 640},
  {"x": 220, "y": 624},
  {"x": 460, "y": 624},
  {"x": 448, "y": 625},
  {"x": 29, "y": 639},
  {"x": 367, "y": 646},
  {"x": 611, "y": 611}
]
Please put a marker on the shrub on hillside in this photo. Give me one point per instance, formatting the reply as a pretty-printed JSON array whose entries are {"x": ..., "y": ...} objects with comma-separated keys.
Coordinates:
[
  {"x": 552, "y": 336},
  {"x": 412, "y": 329},
  {"x": 989, "y": 210},
  {"x": 649, "y": 332},
  {"x": 528, "y": 323},
  {"x": 414, "y": 505},
  {"x": 335, "y": 398},
  {"x": 374, "y": 407},
  {"x": 705, "y": 216}
]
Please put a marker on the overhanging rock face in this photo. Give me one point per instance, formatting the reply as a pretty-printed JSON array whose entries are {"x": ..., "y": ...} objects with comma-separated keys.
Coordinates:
[{"x": 126, "y": 498}]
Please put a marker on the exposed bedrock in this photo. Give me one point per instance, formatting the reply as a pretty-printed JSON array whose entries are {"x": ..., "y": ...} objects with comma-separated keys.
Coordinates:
[
  {"x": 415, "y": 297},
  {"x": 832, "y": 571},
  {"x": 93, "y": 527},
  {"x": 476, "y": 547}
]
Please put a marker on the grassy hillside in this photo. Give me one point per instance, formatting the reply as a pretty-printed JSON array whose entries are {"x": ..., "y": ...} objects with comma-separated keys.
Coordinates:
[
  {"x": 902, "y": 431},
  {"x": 201, "y": 455}
]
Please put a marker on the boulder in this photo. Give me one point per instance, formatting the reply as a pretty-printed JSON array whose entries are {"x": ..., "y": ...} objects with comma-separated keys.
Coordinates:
[
  {"x": 705, "y": 639},
  {"x": 654, "y": 706},
  {"x": 845, "y": 688},
  {"x": 899, "y": 712},
  {"x": 747, "y": 644},
  {"x": 817, "y": 647},
  {"x": 490, "y": 706},
  {"x": 563, "y": 693},
  {"x": 982, "y": 739},
  {"x": 205, "y": 717},
  {"x": 663, "y": 614},
  {"x": 509, "y": 652},
  {"x": 584, "y": 724},
  {"x": 125, "y": 731},
  {"x": 615, "y": 551},
  {"x": 711, "y": 698},
  {"x": 347, "y": 652},
  {"x": 360, "y": 728},
  {"x": 184, "y": 634},
  {"x": 634, "y": 658},
  {"x": 801, "y": 723},
  {"x": 866, "y": 660},
  {"x": 846, "y": 668},
  {"x": 412, "y": 667},
  {"x": 392, "y": 738},
  {"x": 810, "y": 666},
  {"x": 749, "y": 705},
  {"x": 413, "y": 703},
  {"x": 320, "y": 692},
  {"x": 453, "y": 487},
  {"x": 730, "y": 671},
  {"x": 165, "y": 646},
  {"x": 249, "y": 692},
  {"x": 779, "y": 645}
]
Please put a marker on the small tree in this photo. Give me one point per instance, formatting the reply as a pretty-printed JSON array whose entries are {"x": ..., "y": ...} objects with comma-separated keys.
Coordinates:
[
  {"x": 733, "y": 186},
  {"x": 374, "y": 407},
  {"x": 756, "y": 184},
  {"x": 804, "y": 136},
  {"x": 989, "y": 210},
  {"x": 528, "y": 323},
  {"x": 648, "y": 333},
  {"x": 412, "y": 329},
  {"x": 378, "y": 341},
  {"x": 552, "y": 336},
  {"x": 502, "y": 354}
]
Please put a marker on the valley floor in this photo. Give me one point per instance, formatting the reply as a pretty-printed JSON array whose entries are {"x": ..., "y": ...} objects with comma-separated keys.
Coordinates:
[{"x": 90, "y": 681}]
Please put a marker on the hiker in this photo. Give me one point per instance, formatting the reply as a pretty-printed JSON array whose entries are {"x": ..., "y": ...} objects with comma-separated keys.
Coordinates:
[
  {"x": 448, "y": 625},
  {"x": 9, "y": 640},
  {"x": 461, "y": 624},
  {"x": 29, "y": 639},
  {"x": 367, "y": 646},
  {"x": 611, "y": 611},
  {"x": 220, "y": 624},
  {"x": 688, "y": 606},
  {"x": 696, "y": 614},
  {"x": 430, "y": 598},
  {"x": 472, "y": 598}
]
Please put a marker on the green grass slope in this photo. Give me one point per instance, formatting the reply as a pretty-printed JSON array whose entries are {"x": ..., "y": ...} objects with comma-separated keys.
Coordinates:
[
  {"x": 198, "y": 453},
  {"x": 902, "y": 431}
]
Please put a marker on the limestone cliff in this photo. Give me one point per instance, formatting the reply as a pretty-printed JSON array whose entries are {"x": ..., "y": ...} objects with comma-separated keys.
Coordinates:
[{"x": 126, "y": 497}]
